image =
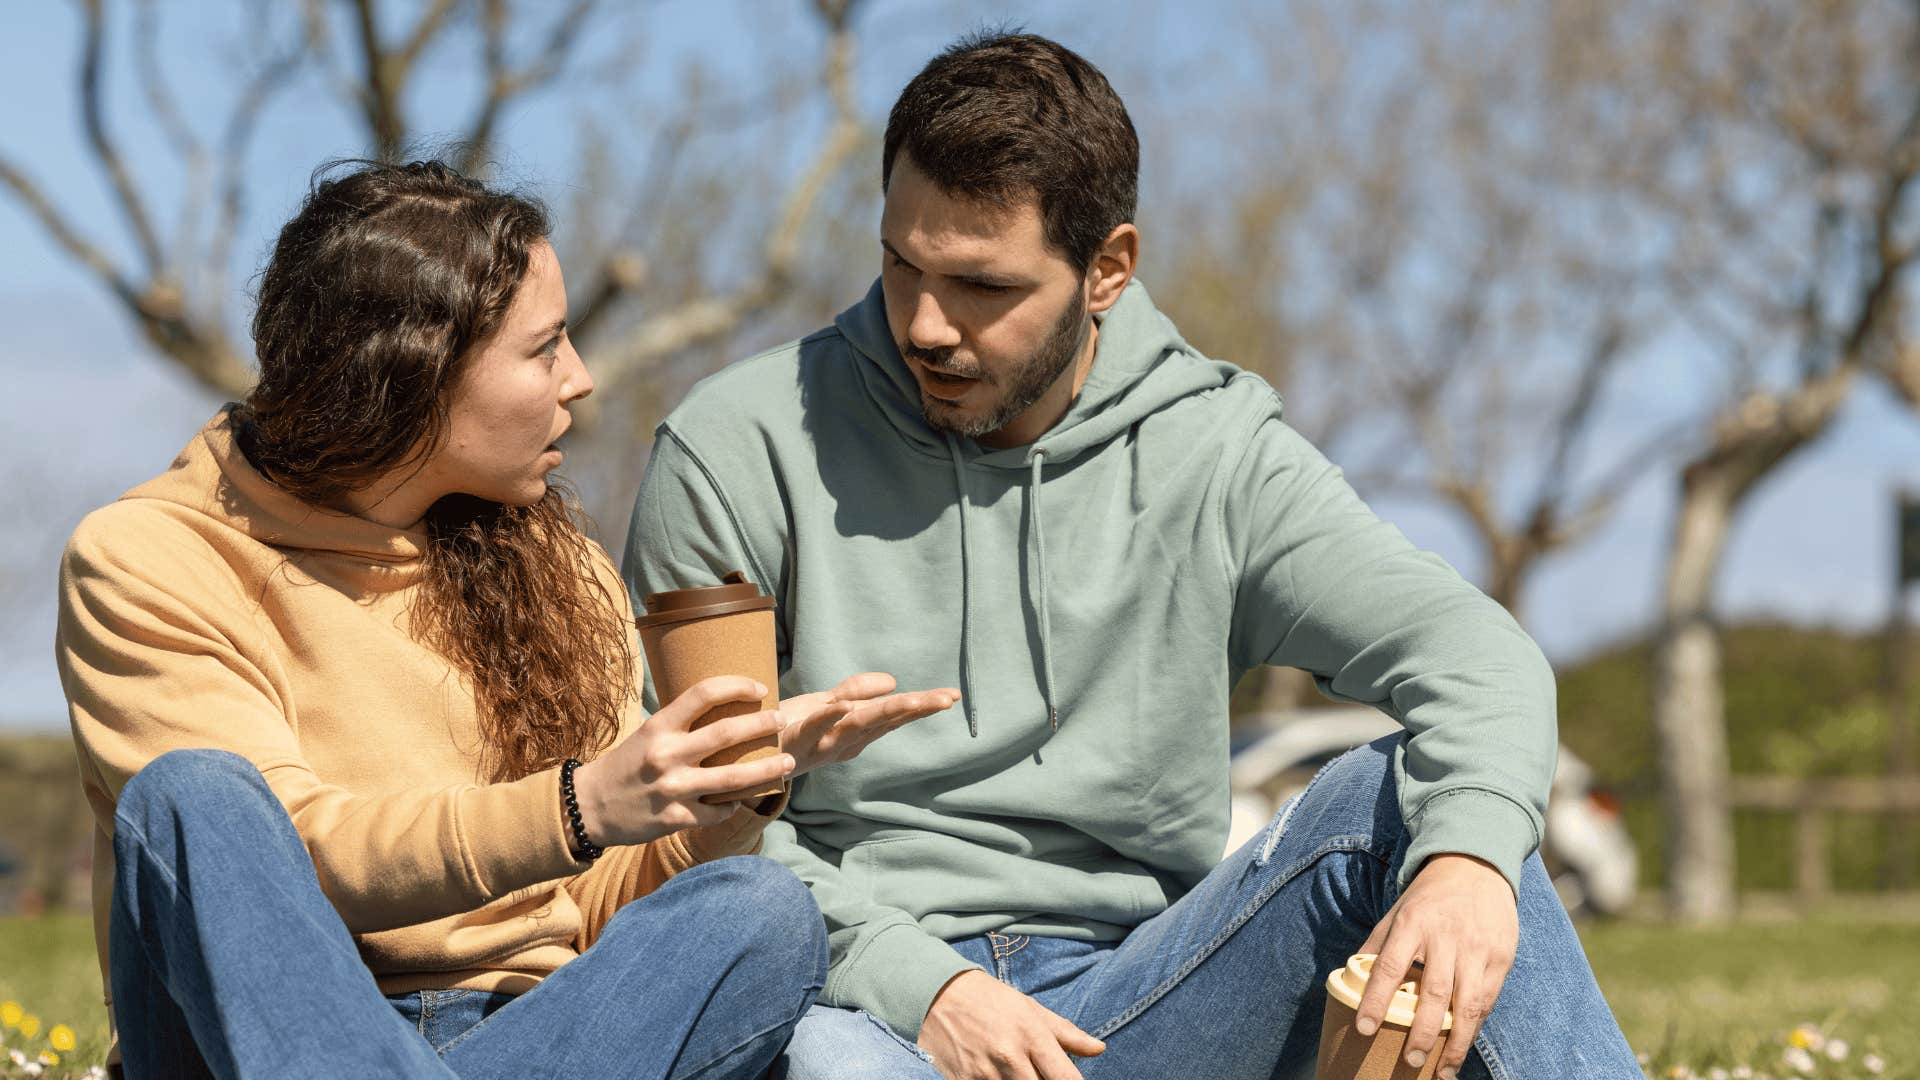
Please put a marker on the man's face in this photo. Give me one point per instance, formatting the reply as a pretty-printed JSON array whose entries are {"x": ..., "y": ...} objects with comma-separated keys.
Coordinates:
[{"x": 987, "y": 315}]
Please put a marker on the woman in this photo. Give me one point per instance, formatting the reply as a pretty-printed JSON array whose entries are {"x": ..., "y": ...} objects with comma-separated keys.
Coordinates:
[{"x": 331, "y": 677}]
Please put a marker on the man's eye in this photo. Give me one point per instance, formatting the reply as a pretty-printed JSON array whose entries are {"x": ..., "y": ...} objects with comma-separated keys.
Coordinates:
[
  {"x": 901, "y": 264},
  {"x": 989, "y": 290}
]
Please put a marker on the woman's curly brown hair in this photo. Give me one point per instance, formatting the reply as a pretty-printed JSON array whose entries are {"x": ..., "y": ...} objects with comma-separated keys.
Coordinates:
[{"x": 377, "y": 292}]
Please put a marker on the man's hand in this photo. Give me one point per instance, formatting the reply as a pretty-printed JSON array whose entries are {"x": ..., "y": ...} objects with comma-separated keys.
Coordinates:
[
  {"x": 979, "y": 1028},
  {"x": 834, "y": 725},
  {"x": 1458, "y": 918}
]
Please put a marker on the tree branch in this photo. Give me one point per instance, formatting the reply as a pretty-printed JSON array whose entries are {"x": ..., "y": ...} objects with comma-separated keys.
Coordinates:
[
  {"x": 104, "y": 151},
  {"x": 64, "y": 234},
  {"x": 708, "y": 318},
  {"x": 505, "y": 84}
]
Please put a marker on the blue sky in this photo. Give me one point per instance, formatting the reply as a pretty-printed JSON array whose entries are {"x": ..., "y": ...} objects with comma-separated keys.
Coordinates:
[{"x": 87, "y": 412}]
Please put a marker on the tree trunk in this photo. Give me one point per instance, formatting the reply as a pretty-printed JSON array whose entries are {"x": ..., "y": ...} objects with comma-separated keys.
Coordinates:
[{"x": 1689, "y": 713}]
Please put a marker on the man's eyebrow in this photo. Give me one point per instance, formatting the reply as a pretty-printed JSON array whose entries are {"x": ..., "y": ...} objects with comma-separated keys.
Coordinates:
[{"x": 993, "y": 280}]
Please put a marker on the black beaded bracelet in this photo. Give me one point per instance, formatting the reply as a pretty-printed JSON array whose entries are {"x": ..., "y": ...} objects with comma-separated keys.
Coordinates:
[{"x": 588, "y": 850}]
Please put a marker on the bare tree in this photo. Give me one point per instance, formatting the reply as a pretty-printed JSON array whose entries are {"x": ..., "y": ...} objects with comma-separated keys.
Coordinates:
[
  {"x": 175, "y": 285},
  {"x": 1464, "y": 310},
  {"x": 1783, "y": 172}
]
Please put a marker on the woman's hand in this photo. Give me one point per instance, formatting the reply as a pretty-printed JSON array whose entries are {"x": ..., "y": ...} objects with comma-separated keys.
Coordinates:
[
  {"x": 835, "y": 725},
  {"x": 1459, "y": 919},
  {"x": 651, "y": 783}
]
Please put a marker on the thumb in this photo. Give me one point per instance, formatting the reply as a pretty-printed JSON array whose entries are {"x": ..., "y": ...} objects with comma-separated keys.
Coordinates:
[{"x": 1073, "y": 1040}]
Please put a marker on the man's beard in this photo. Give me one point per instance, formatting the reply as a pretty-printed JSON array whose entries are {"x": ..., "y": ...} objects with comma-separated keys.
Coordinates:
[{"x": 1023, "y": 386}]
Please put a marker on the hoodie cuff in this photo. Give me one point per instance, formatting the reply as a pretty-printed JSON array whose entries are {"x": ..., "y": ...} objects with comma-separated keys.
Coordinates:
[
  {"x": 514, "y": 834},
  {"x": 1471, "y": 821},
  {"x": 897, "y": 976}
]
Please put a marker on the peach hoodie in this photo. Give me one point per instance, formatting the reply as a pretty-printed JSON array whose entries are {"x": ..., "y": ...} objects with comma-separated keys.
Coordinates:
[{"x": 209, "y": 608}]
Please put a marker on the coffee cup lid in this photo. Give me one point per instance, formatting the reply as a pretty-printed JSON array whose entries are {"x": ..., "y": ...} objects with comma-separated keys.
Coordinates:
[
  {"x": 1348, "y": 983},
  {"x": 735, "y": 594}
]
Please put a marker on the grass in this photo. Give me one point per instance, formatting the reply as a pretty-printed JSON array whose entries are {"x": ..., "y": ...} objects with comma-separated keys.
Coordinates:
[
  {"x": 1692, "y": 999},
  {"x": 1705, "y": 999},
  {"x": 47, "y": 965}
]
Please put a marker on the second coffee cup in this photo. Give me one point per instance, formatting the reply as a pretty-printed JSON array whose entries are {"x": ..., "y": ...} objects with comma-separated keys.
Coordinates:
[
  {"x": 1345, "y": 1054},
  {"x": 726, "y": 629}
]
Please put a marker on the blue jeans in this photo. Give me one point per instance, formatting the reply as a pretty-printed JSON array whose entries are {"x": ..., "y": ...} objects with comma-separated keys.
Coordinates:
[
  {"x": 1229, "y": 982},
  {"x": 227, "y": 960}
]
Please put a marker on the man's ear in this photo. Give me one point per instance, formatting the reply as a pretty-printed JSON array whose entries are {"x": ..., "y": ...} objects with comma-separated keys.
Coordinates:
[{"x": 1113, "y": 266}]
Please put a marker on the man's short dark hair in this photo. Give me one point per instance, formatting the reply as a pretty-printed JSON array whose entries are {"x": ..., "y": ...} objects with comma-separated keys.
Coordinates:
[{"x": 1002, "y": 118}]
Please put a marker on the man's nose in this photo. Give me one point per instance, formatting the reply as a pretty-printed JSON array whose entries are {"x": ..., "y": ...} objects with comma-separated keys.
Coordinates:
[{"x": 930, "y": 328}]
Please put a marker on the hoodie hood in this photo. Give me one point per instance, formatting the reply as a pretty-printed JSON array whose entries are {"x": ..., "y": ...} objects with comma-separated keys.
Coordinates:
[
  {"x": 1140, "y": 364},
  {"x": 212, "y": 478}
]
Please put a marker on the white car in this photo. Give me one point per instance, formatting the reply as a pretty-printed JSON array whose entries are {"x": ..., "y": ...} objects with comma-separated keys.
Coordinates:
[{"x": 1586, "y": 849}]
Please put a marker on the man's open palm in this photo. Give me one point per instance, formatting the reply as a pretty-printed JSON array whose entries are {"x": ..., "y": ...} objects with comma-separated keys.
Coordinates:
[{"x": 835, "y": 725}]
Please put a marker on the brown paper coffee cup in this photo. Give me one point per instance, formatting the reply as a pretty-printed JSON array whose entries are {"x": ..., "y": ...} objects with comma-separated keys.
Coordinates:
[
  {"x": 727, "y": 629},
  {"x": 1345, "y": 1054}
]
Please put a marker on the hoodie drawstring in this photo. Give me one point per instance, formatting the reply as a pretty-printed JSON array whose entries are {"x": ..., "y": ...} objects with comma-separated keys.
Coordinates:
[
  {"x": 966, "y": 590},
  {"x": 1040, "y": 573}
]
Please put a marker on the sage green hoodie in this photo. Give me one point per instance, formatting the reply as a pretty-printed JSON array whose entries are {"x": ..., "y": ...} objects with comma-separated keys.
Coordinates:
[{"x": 1095, "y": 595}]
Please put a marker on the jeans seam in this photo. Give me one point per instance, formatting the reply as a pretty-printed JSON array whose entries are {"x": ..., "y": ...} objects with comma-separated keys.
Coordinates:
[
  {"x": 1482, "y": 1046},
  {"x": 460, "y": 1038},
  {"x": 806, "y": 1002},
  {"x": 121, "y": 825},
  {"x": 1359, "y": 844}
]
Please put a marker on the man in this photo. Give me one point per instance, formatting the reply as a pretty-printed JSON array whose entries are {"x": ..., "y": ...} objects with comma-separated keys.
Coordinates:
[{"x": 1005, "y": 470}]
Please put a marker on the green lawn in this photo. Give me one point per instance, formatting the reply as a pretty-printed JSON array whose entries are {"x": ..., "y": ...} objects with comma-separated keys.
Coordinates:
[
  {"x": 1695, "y": 999},
  {"x": 1722, "y": 999},
  {"x": 47, "y": 966}
]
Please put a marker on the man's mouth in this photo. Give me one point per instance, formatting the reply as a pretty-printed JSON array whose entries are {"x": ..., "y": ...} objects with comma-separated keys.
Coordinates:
[{"x": 944, "y": 385}]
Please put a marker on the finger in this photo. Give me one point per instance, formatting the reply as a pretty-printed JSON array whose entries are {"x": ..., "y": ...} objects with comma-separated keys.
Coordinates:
[
  {"x": 740, "y": 774},
  {"x": 1389, "y": 971},
  {"x": 867, "y": 684},
  {"x": 703, "y": 696},
  {"x": 877, "y": 718},
  {"x": 732, "y": 731},
  {"x": 1436, "y": 994},
  {"x": 1380, "y": 930},
  {"x": 1050, "y": 1062},
  {"x": 1470, "y": 1005},
  {"x": 1073, "y": 1040}
]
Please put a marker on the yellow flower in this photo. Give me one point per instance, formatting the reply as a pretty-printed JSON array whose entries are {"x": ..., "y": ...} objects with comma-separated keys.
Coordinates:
[
  {"x": 10, "y": 1013},
  {"x": 61, "y": 1037},
  {"x": 1804, "y": 1037},
  {"x": 29, "y": 1025},
  {"x": 49, "y": 1058}
]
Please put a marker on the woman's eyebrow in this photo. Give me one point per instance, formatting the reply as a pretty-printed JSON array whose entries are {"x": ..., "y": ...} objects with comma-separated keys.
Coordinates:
[{"x": 548, "y": 332}]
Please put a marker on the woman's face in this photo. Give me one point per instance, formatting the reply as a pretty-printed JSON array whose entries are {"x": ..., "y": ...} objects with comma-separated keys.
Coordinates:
[{"x": 510, "y": 404}]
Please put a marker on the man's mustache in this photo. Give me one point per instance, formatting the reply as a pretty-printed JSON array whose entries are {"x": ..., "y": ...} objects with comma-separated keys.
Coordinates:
[{"x": 940, "y": 361}]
